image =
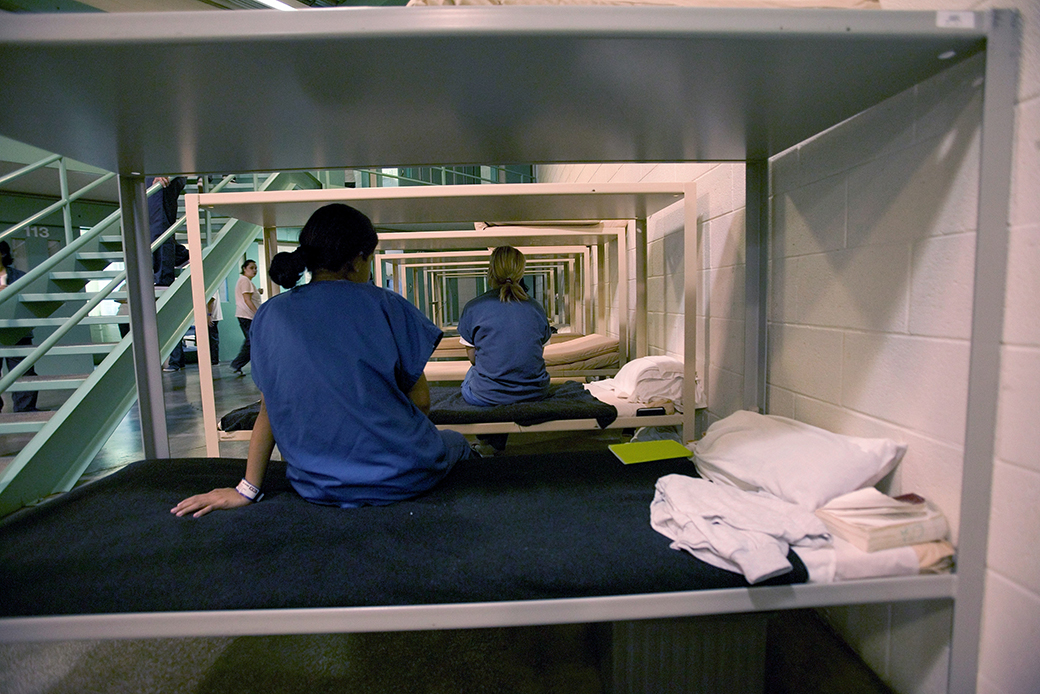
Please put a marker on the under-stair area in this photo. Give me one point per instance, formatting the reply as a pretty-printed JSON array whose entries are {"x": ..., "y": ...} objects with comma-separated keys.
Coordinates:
[{"x": 84, "y": 372}]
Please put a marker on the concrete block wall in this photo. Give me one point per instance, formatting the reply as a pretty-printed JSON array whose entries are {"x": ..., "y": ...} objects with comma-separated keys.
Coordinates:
[
  {"x": 871, "y": 279},
  {"x": 871, "y": 273}
]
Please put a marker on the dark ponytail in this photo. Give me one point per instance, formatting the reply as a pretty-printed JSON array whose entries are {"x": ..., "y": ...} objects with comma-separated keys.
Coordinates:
[
  {"x": 336, "y": 235},
  {"x": 287, "y": 268}
]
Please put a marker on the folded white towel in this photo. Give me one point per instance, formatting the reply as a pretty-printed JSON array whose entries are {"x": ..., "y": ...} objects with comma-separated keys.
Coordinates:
[{"x": 746, "y": 532}]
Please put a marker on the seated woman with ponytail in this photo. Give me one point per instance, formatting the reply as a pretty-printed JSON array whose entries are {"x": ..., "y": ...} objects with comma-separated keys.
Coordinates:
[
  {"x": 504, "y": 331},
  {"x": 339, "y": 363}
]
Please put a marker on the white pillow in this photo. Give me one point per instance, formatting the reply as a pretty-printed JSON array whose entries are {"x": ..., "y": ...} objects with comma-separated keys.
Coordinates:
[
  {"x": 650, "y": 378},
  {"x": 797, "y": 462}
]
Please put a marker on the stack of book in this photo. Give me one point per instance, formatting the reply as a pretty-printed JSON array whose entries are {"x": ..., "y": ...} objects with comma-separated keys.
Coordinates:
[{"x": 872, "y": 521}]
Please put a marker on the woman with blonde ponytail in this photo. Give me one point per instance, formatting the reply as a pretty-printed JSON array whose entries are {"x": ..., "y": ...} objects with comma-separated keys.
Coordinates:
[{"x": 504, "y": 331}]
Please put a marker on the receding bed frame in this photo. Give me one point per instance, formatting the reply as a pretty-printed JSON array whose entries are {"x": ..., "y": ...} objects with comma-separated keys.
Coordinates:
[
  {"x": 720, "y": 85},
  {"x": 529, "y": 202}
]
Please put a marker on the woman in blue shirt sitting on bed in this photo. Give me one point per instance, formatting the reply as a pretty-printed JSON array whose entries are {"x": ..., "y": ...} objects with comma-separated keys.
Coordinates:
[
  {"x": 504, "y": 331},
  {"x": 339, "y": 363}
]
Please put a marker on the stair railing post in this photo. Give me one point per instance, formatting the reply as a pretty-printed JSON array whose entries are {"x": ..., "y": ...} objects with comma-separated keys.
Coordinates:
[
  {"x": 140, "y": 285},
  {"x": 66, "y": 210}
]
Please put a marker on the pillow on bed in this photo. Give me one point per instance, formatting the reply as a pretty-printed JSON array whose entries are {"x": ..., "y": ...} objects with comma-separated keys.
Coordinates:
[
  {"x": 795, "y": 461},
  {"x": 650, "y": 378}
]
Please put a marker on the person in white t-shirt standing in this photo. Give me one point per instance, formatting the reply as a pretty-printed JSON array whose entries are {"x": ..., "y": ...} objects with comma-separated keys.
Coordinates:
[{"x": 247, "y": 300}]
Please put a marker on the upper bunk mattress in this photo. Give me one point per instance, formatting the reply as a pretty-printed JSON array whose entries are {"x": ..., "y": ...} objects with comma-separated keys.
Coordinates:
[{"x": 511, "y": 528}]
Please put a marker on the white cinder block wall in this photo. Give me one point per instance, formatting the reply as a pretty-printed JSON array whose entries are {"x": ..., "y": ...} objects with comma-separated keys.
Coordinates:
[{"x": 871, "y": 279}]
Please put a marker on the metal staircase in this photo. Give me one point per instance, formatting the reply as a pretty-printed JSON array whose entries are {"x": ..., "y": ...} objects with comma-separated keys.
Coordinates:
[{"x": 100, "y": 376}]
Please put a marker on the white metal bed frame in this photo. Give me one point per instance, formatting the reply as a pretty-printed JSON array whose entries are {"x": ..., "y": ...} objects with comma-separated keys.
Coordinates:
[
  {"x": 543, "y": 202},
  {"x": 98, "y": 88}
]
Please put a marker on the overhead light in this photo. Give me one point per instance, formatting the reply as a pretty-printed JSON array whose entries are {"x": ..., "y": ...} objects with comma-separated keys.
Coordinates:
[
  {"x": 276, "y": 5},
  {"x": 945, "y": 55}
]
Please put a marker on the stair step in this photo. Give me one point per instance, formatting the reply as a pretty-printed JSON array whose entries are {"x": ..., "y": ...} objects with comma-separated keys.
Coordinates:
[
  {"x": 50, "y": 297},
  {"x": 114, "y": 256},
  {"x": 85, "y": 275},
  {"x": 182, "y": 236},
  {"x": 61, "y": 350},
  {"x": 23, "y": 422},
  {"x": 62, "y": 382},
  {"x": 54, "y": 322}
]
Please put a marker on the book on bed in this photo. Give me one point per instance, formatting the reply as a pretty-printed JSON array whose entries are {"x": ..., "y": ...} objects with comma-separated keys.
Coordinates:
[{"x": 873, "y": 521}]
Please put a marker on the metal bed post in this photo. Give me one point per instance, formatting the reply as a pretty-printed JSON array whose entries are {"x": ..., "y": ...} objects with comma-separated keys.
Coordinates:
[
  {"x": 601, "y": 310},
  {"x": 691, "y": 271},
  {"x": 572, "y": 291},
  {"x": 140, "y": 287},
  {"x": 270, "y": 251},
  {"x": 199, "y": 300},
  {"x": 987, "y": 329},
  {"x": 756, "y": 271},
  {"x": 586, "y": 292},
  {"x": 624, "y": 347}
]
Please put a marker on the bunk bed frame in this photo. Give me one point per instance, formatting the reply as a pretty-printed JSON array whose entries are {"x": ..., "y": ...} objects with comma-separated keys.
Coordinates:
[
  {"x": 530, "y": 202},
  {"x": 324, "y": 88}
]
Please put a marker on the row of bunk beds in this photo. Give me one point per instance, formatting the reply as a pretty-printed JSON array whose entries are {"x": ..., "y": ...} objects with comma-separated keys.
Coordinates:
[
  {"x": 508, "y": 545},
  {"x": 603, "y": 279}
]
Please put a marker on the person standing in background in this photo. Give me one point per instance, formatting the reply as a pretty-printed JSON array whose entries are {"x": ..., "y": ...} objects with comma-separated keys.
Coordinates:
[
  {"x": 247, "y": 300},
  {"x": 214, "y": 315},
  {"x": 24, "y": 400},
  {"x": 162, "y": 213}
]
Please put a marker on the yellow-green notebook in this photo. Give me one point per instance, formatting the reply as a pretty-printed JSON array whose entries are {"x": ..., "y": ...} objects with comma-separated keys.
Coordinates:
[{"x": 645, "y": 451}]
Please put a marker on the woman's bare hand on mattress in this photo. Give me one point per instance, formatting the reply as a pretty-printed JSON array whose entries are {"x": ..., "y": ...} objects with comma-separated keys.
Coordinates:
[{"x": 201, "y": 504}]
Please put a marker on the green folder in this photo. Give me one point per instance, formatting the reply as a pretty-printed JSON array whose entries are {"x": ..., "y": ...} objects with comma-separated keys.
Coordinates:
[{"x": 645, "y": 451}]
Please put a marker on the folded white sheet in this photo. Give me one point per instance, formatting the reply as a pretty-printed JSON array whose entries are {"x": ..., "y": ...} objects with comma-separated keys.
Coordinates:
[
  {"x": 741, "y": 531},
  {"x": 842, "y": 561}
]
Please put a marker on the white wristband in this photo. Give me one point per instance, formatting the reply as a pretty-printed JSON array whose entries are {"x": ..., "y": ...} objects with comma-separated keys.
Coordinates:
[{"x": 248, "y": 490}]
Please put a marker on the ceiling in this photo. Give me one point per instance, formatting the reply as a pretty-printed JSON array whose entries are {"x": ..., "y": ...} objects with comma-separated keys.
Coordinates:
[
  {"x": 45, "y": 182},
  {"x": 172, "y": 5}
]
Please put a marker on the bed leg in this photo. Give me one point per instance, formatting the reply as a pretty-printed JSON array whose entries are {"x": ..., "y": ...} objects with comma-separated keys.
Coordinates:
[{"x": 719, "y": 653}]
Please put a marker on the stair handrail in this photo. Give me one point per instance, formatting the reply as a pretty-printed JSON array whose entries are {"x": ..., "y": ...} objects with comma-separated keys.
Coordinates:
[
  {"x": 41, "y": 350},
  {"x": 29, "y": 168},
  {"x": 16, "y": 287},
  {"x": 63, "y": 203},
  {"x": 60, "y": 204}
]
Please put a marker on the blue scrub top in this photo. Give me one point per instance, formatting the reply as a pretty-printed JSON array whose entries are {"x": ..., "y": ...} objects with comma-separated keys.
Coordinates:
[
  {"x": 335, "y": 361},
  {"x": 507, "y": 337}
]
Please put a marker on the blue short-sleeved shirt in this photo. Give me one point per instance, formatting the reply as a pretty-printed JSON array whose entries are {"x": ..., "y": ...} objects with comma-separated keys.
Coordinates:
[
  {"x": 335, "y": 361},
  {"x": 507, "y": 337}
]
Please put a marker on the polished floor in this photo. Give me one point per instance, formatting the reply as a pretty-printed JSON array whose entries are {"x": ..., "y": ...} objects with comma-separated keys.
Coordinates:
[
  {"x": 802, "y": 654},
  {"x": 184, "y": 422}
]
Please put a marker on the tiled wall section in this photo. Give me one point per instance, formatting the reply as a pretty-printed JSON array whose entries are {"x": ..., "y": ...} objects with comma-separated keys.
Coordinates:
[
  {"x": 871, "y": 284},
  {"x": 720, "y": 220},
  {"x": 871, "y": 267}
]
